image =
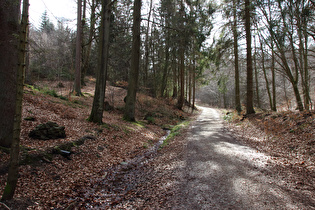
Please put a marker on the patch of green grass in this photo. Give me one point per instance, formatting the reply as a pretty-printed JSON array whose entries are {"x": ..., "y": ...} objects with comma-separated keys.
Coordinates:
[
  {"x": 47, "y": 91},
  {"x": 50, "y": 92},
  {"x": 175, "y": 131},
  {"x": 139, "y": 124}
]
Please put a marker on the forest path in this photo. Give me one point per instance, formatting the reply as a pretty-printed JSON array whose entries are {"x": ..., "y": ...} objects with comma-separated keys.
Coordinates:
[{"x": 221, "y": 173}]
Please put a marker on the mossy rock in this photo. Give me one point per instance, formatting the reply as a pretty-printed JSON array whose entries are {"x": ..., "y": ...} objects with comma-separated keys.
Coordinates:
[{"x": 46, "y": 131}]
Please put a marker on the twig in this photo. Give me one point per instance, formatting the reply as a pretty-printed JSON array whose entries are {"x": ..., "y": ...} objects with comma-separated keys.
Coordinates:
[{"x": 3, "y": 204}]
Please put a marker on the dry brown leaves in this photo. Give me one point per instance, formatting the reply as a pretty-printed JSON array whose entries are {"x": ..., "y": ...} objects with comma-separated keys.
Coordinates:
[
  {"x": 288, "y": 137},
  {"x": 53, "y": 184}
]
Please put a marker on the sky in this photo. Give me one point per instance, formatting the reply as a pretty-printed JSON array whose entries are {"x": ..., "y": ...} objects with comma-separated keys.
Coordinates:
[{"x": 56, "y": 9}]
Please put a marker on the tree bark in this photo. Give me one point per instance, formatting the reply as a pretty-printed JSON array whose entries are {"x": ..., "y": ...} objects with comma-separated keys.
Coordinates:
[
  {"x": 265, "y": 75},
  {"x": 13, "y": 172},
  {"x": 274, "y": 100},
  {"x": 9, "y": 24},
  {"x": 146, "y": 47},
  {"x": 129, "y": 113},
  {"x": 102, "y": 66},
  {"x": 78, "y": 50},
  {"x": 249, "y": 100},
  {"x": 181, "y": 98},
  {"x": 238, "y": 106}
]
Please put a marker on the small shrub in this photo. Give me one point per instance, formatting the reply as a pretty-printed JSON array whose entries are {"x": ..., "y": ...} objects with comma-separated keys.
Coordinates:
[{"x": 51, "y": 92}]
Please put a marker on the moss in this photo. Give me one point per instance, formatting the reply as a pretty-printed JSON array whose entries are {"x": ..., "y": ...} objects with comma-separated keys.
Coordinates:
[
  {"x": 176, "y": 131},
  {"x": 138, "y": 123},
  {"x": 7, "y": 192}
]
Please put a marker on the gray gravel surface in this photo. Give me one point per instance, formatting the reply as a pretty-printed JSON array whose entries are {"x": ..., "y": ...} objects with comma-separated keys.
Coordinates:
[{"x": 221, "y": 173}]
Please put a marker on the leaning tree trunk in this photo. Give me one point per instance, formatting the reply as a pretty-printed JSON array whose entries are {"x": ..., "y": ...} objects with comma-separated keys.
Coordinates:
[
  {"x": 13, "y": 172},
  {"x": 129, "y": 113}
]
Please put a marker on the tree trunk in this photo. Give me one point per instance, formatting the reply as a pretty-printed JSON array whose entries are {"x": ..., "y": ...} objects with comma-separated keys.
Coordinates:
[
  {"x": 146, "y": 47},
  {"x": 194, "y": 80},
  {"x": 249, "y": 100},
  {"x": 86, "y": 47},
  {"x": 238, "y": 106},
  {"x": 13, "y": 172},
  {"x": 129, "y": 114},
  {"x": 78, "y": 50},
  {"x": 175, "y": 77},
  {"x": 165, "y": 69},
  {"x": 256, "y": 78},
  {"x": 274, "y": 101},
  {"x": 102, "y": 68},
  {"x": 9, "y": 24},
  {"x": 181, "y": 98},
  {"x": 265, "y": 75}
]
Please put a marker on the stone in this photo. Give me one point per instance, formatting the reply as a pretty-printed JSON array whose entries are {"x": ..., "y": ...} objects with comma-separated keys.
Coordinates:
[{"x": 46, "y": 131}]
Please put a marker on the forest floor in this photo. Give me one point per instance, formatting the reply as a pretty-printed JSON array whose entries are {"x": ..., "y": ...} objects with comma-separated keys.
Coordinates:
[
  {"x": 48, "y": 180},
  {"x": 124, "y": 167}
]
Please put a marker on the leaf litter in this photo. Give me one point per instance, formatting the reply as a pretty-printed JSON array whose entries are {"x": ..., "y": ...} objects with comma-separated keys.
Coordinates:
[{"x": 53, "y": 181}]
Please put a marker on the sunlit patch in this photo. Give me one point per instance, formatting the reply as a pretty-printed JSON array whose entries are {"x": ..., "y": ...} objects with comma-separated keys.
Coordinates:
[{"x": 241, "y": 153}]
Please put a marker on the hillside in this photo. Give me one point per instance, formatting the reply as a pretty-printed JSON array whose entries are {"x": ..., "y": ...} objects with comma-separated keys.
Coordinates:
[
  {"x": 49, "y": 179},
  {"x": 288, "y": 137}
]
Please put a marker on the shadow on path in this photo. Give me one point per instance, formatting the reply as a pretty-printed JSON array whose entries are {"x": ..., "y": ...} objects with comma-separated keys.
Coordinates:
[{"x": 220, "y": 173}]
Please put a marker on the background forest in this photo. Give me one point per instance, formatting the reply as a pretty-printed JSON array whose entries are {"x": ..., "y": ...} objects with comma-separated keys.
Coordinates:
[{"x": 282, "y": 50}]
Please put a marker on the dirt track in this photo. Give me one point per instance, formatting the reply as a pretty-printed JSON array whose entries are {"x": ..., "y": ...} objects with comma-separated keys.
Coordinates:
[
  {"x": 203, "y": 168},
  {"x": 220, "y": 173}
]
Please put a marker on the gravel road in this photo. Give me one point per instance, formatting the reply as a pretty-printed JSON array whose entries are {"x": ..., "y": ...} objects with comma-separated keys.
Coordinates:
[{"x": 220, "y": 173}]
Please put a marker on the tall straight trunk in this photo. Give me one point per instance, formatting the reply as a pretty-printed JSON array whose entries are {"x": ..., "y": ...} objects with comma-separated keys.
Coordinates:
[
  {"x": 9, "y": 24},
  {"x": 146, "y": 48},
  {"x": 308, "y": 101},
  {"x": 175, "y": 77},
  {"x": 154, "y": 71},
  {"x": 86, "y": 47},
  {"x": 181, "y": 98},
  {"x": 194, "y": 79},
  {"x": 129, "y": 113},
  {"x": 166, "y": 65},
  {"x": 238, "y": 106},
  {"x": 13, "y": 172},
  {"x": 249, "y": 99},
  {"x": 190, "y": 83},
  {"x": 256, "y": 78},
  {"x": 304, "y": 57},
  {"x": 274, "y": 100},
  {"x": 78, "y": 51},
  {"x": 102, "y": 66},
  {"x": 265, "y": 75}
]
